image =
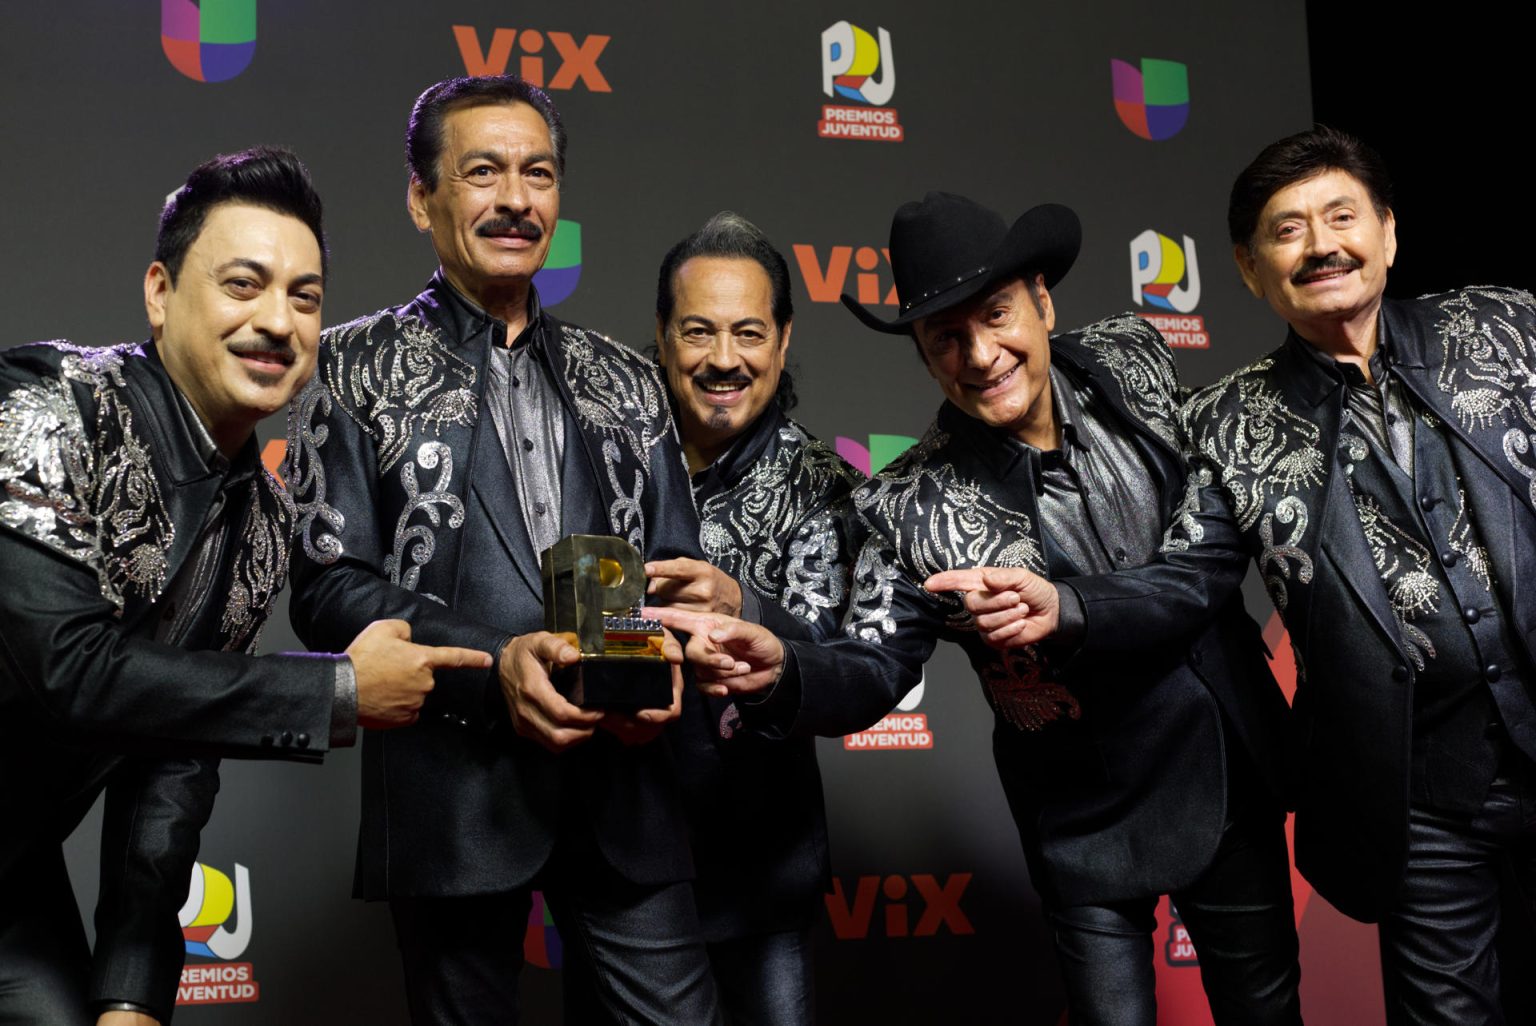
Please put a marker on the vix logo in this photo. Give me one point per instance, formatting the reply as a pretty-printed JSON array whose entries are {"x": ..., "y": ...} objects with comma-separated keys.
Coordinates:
[
  {"x": 208, "y": 41},
  {"x": 1158, "y": 267},
  {"x": 825, "y": 281},
  {"x": 578, "y": 60},
  {"x": 1154, "y": 101},
  {"x": 850, "y": 61},
  {"x": 562, "y": 267},
  {"x": 941, "y": 906}
]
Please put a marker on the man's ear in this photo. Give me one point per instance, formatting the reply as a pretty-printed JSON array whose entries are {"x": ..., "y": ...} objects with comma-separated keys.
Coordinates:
[
  {"x": 1247, "y": 267},
  {"x": 416, "y": 202},
  {"x": 157, "y": 285}
]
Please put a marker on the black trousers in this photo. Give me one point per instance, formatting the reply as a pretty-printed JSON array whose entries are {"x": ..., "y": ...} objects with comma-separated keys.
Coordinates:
[
  {"x": 640, "y": 945},
  {"x": 765, "y": 979},
  {"x": 1239, "y": 915},
  {"x": 45, "y": 963},
  {"x": 1438, "y": 959}
]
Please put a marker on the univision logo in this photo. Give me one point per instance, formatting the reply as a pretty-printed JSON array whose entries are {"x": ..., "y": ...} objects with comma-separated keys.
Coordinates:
[
  {"x": 208, "y": 41},
  {"x": 541, "y": 943},
  {"x": 562, "y": 266},
  {"x": 1154, "y": 101}
]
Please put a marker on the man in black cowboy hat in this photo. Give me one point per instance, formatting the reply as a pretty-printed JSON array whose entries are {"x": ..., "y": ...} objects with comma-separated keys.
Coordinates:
[{"x": 1128, "y": 778}]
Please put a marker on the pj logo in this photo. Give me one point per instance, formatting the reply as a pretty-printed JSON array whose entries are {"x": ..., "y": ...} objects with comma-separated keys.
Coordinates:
[
  {"x": 1166, "y": 278},
  {"x": 860, "y": 73}
]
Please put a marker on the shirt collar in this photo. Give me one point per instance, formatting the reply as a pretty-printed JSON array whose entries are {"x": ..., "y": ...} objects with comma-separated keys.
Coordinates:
[
  {"x": 467, "y": 318},
  {"x": 739, "y": 457}
]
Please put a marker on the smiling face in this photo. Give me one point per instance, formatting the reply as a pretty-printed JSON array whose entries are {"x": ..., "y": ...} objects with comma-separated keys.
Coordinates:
[
  {"x": 1320, "y": 254},
  {"x": 721, "y": 350},
  {"x": 496, "y": 203},
  {"x": 992, "y": 357},
  {"x": 237, "y": 331}
]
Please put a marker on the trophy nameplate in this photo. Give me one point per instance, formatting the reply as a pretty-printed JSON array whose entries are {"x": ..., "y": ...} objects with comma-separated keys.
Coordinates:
[{"x": 594, "y": 587}]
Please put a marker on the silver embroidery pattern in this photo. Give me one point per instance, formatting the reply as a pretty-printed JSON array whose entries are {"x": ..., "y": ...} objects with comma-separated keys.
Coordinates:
[
  {"x": 1489, "y": 368},
  {"x": 772, "y": 530},
  {"x": 94, "y": 499},
  {"x": 936, "y": 520},
  {"x": 869, "y": 610},
  {"x": 1144, "y": 373},
  {"x": 1463, "y": 542},
  {"x": 1184, "y": 530},
  {"x": 1263, "y": 452},
  {"x": 1403, "y": 565},
  {"x": 619, "y": 395},
  {"x": 305, "y": 473},
  {"x": 397, "y": 377},
  {"x": 416, "y": 544},
  {"x": 261, "y": 566}
]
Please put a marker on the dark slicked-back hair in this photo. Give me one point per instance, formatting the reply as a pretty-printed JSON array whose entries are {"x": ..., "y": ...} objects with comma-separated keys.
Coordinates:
[
  {"x": 1295, "y": 159},
  {"x": 263, "y": 176},
  {"x": 731, "y": 236},
  {"x": 424, "y": 133}
]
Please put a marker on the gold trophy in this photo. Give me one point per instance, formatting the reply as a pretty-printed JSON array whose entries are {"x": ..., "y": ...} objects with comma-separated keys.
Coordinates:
[{"x": 594, "y": 587}]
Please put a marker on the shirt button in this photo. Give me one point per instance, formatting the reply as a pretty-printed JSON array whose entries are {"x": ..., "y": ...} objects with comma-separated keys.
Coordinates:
[
  {"x": 302, "y": 740},
  {"x": 528, "y": 445},
  {"x": 1120, "y": 555},
  {"x": 1400, "y": 673},
  {"x": 266, "y": 739},
  {"x": 515, "y": 383},
  {"x": 1491, "y": 672},
  {"x": 1470, "y": 615},
  {"x": 540, "y": 508},
  {"x": 286, "y": 738},
  {"x": 1449, "y": 557},
  {"x": 1428, "y": 502}
]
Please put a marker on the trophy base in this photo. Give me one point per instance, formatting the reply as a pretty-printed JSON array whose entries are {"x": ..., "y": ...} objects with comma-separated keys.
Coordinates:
[{"x": 621, "y": 685}]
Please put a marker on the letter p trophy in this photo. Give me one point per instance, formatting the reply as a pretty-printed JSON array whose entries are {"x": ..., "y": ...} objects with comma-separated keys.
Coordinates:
[{"x": 594, "y": 586}]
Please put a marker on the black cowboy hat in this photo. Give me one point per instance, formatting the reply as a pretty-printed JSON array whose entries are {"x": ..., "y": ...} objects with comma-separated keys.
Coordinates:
[{"x": 947, "y": 248}]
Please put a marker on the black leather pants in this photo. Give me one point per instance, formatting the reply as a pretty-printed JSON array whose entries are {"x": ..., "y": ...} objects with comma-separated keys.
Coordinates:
[
  {"x": 1438, "y": 960},
  {"x": 1240, "y": 917}
]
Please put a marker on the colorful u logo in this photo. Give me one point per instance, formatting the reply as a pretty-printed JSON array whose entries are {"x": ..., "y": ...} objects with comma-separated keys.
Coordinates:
[{"x": 208, "y": 40}]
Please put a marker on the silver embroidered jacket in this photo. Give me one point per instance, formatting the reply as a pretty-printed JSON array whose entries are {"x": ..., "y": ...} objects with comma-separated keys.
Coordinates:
[
  {"x": 1093, "y": 756},
  {"x": 1270, "y": 436},
  {"x": 103, "y": 492},
  {"x": 408, "y": 509},
  {"x": 776, "y": 513},
  {"x": 778, "y": 516}
]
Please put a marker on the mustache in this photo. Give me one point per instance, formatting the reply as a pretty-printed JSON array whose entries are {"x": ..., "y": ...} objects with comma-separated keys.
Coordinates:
[
  {"x": 506, "y": 224},
  {"x": 264, "y": 347},
  {"x": 717, "y": 377},
  {"x": 1318, "y": 265}
]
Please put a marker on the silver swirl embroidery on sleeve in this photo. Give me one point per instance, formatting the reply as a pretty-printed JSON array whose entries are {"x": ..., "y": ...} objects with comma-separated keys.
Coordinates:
[
  {"x": 397, "y": 377},
  {"x": 1275, "y": 558},
  {"x": 93, "y": 498},
  {"x": 1185, "y": 530},
  {"x": 47, "y": 466},
  {"x": 869, "y": 611},
  {"x": 260, "y": 568},
  {"x": 305, "y": 472},
  {"x": 814, "y": 574},
  {"x": 419, "y": 541}
]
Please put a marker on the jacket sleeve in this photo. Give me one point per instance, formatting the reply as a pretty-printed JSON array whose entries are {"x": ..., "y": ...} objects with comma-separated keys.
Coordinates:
[
  {"x": 340, "y": 584},
  {"x": 154, "y": 811},
  {"x": 848, "y": 681},
  {"x": 66, "y": 661},
  {"x": 1198, "y": 570}
]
